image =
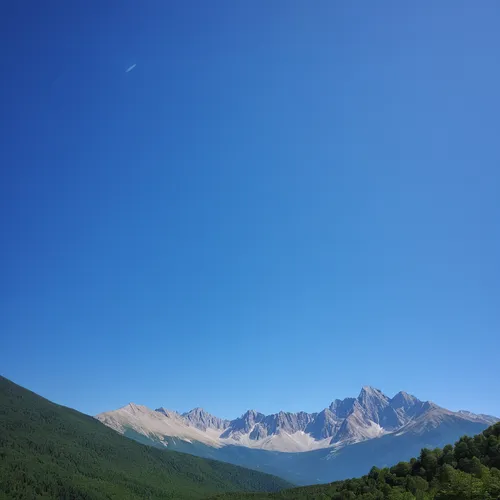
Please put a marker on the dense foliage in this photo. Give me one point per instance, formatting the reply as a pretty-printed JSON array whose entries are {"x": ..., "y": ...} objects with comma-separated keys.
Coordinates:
[
  {"x": 48, "y": 451},
  {"x": 470, "y": 470}
]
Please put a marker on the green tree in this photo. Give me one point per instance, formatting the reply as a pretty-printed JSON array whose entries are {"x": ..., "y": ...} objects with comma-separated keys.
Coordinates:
[
  {"x": 429, "y": 461},
  {"x": 463, "y": 486},
  {"x": 476, "y": 467},
  {"x": 402, "y": 469}
]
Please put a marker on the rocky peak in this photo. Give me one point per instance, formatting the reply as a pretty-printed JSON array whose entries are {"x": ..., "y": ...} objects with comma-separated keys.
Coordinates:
[
  {"x": 132, "y": 407},
  {"x": 429, "y": 406},
  {"x": 135, "y": 409},
  {"x": 342, "y": 408},
  {"x": 373, "y": 402},
  {"x": 324, "y": 425},
  {"x": 252, "y": 416},
  {"x": 244, "y": 424},
  {"x": 196, "y": 411},
  {"x": 258, "y": 432},
  {"x": 203, "y": 420},
  {"x": 357, "y": 427},
  {"x": 167, "y": 413},
  {"x": 404, "y": 400},
  {"x": 369, "y": 392},
  {"x": 287, "y": 422}
]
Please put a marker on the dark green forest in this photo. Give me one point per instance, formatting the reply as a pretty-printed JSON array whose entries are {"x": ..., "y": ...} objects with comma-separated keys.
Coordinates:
[
  {"x": 469, "y": 470},
  {"x": 49, "y": 451}
]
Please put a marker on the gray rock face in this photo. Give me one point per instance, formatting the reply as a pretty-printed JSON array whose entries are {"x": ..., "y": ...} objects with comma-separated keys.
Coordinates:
[
  {"x": 324, "y": 425},
  {"x": 164, "y": 411},
  {"x": 404, "y": 400},
  {"x": 342, "y": 408},
  {"x": 268, "y": 425},
  {"x": 244, "y": 424},
  {"x": 203, "y": 420},
  {"x": 287, "y": 422},
  {"x": 351, "y": 420},
  {"x": 258, "y": 432},
  {"x": 372, "y": 403},
  {"x": 354, "y": 428}
]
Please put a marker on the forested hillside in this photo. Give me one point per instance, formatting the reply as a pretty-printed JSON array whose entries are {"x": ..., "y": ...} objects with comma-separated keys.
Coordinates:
[
  {"x": 469, "y": 470},
  {"x": 52, "y": 452}
]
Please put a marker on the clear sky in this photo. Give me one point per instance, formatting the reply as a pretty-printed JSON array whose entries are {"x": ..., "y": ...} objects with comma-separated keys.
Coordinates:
[{"x": 281, "y": 202}]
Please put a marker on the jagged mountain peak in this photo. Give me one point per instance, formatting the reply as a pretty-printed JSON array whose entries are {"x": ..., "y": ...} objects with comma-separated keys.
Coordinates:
[
  {"x": 130, "y": 406},
  {"x": 405, "y": 395},
  {"x": 373, "y": 402},
  {"x": 287, "y": 422},
  {"x": 369, "y": 391},
  {"x": 198, "y": 410},
  {"x": 369, "y": 396},
  {"x": 167, "y": 412},
  {"x": 252, "y": 415},
  {"x": 370, "y": 388},
  {"x": 334, "y": 404},
  {"x": 404, "y": 400},
  {"x": 243, "y": 425},
  {"x": 135, "y": 409},
  {"x": 203, "y": 420},
  {"x": 324, "y": 425},
  {"x": 429, "y": 405},
  {"x": 342, "y": 407}
]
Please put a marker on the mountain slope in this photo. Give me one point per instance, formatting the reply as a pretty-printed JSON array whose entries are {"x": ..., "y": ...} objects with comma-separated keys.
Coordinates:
[
  {"x": 50, "y": 451},
  {"x": 159, "y": 422},
  {"x": 468, "y": 470}
]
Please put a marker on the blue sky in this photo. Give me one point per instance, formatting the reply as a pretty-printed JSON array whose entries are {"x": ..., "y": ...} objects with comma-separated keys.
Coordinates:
[{"x": 281, "y": 202}]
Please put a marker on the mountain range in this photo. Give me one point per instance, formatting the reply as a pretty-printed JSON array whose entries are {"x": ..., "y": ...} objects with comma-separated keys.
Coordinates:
[{"x": 302, "y": 447}]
